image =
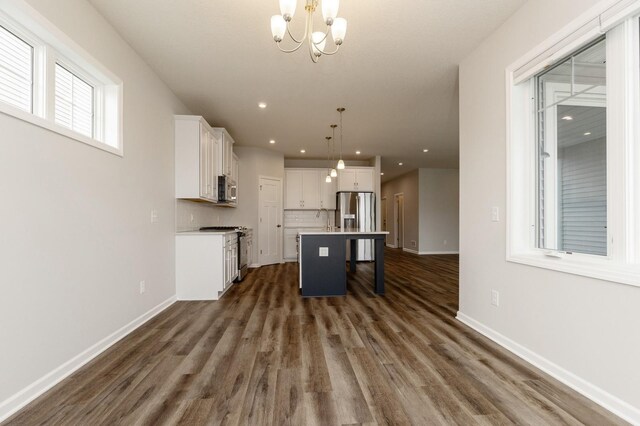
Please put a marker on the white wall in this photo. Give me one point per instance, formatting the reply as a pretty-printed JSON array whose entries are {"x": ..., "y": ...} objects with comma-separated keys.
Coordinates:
[
  {"x": 585, "y": 327},
  {"x": 254, "y": 162},
  {"x": 439, "y": 210},
  {"x": 75, "y": 228}
]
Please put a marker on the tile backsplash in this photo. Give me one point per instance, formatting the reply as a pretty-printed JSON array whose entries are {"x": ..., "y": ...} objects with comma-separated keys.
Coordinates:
[
  {"x": 190, "y": 215},
  {"x": 307, "y": 218}
]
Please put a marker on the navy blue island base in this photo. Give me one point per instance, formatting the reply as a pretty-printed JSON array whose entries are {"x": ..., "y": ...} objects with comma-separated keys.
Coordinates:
[{"x": 322, "y": 261}]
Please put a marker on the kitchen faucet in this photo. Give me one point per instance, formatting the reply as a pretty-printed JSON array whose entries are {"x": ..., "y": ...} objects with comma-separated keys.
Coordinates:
[{"x": 328, "y": 219}]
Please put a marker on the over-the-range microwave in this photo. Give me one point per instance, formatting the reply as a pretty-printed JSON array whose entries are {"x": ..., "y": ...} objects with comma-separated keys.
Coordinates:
[{"x": 227, "y": 190}]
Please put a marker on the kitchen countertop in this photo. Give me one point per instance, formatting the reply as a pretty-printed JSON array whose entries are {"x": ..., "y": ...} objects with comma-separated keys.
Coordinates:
[{"x": 205, "y": 232}]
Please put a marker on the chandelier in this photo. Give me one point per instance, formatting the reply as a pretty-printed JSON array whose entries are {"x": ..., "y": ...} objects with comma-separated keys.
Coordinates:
[{"x": 316, "y": 40}]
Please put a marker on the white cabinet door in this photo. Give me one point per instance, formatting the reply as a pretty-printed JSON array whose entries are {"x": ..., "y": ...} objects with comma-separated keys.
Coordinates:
[
  {"x": 347, "y": 180},
  {"x": 234, "y": 168},
  {"x": 290, "y": 243},
  {"x": 310, "y": 189},
  {"x": 293, "y": 189},
  {"x": 327, "y": 192},
  {"x": 364, "y": 179},
  {"x": 205, "y": 180}
]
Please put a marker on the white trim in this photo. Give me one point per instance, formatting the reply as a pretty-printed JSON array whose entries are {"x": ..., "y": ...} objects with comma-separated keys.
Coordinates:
[
  {"x": 598, "y": 395},
  {"x": 14, "y": 403},
  {"x": 254, "y": 265},
  {"x": 410, "y": 250},
  {"x": 392, "y": 246}
]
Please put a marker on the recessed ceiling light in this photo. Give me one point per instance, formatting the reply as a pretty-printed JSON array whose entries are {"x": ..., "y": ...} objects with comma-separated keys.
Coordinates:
[
  {"x": 302, "y": 151},
  {"x": 587, "y": 133},
  {"x": 399, "y": 164},
  {"x": 567, "y": 118},
  {"x": 262, "y": 105},
  {"x": 357, "y": 152},
  {"x": 272, "y": 141},
  {"x": 382, "y": 174},
  {"x": 425, "y": 150}
]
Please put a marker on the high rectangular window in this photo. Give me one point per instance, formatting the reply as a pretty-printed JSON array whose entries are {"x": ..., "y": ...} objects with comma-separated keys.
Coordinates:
[
  {"x": 48, "y": 80},
  {"x": 16, "y": 75},
  {"x": 74, "y": 102}
]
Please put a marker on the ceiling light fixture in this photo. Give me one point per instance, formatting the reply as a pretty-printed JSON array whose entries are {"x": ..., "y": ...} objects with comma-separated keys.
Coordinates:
[
  {"x": 399, "y": 164},
  {"x": 425, "y": 150},
  {"x": 340, "y": 165},
  {"x": 262, "y": 105},
  {"x": 315, "y": 39},
  {"x": 302, "y": 151},
  {"x": 357, "y": 152},
  {"x": 587, "y": 133},
  {"x": 382, "y": 174},
  {"x": 272, "y": 141},
  {"x": 328, "y": 178},
  {"x": 567, "y": 118},
  {"x": 334, "y": 172}
]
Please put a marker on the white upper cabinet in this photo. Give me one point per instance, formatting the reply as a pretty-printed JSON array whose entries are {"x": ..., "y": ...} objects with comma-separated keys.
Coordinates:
[
  {"x": 356, "y": 179},
  {"x": 196, "y": 159},
  {"x": 301, "y": 189},
  {"x": 327, "y": 191},
  {"x": 235, "y": 172},
  {"x": 225, "y": 151}
]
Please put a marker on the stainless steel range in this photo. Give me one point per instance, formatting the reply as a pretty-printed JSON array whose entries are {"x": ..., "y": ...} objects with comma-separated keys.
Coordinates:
[{"x": 243, "y": 254}]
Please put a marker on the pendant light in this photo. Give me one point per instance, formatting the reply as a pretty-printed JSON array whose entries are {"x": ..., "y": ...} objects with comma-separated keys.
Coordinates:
[
  {"x": 329, "y": 173},
  {"x": 341, "y": 162},
  {"x": 334, "y": 172}
]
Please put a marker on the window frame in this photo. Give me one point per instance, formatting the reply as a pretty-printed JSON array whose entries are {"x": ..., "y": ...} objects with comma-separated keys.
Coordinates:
[
  {"x": 51, "y": 46},
  {"x": 621, "y": 23}
]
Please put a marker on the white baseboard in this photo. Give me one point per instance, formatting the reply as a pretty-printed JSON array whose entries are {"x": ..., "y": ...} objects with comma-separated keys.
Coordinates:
[
  {"x": 254, "y": 265},
  {"x": 612, "y": 403},
  {"x": 14, "y": 403},
  {"x": 392, "y": 246},
  {"x": 429, "y": 252}
]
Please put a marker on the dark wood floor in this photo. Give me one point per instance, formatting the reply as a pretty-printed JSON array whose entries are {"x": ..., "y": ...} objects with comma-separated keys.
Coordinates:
[{"x": 263, "y": 355}]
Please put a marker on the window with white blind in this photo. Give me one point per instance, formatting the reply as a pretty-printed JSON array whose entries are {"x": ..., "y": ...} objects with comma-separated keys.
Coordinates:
[
  {"x": 48, "y": 80},
  {"x": 573, "y": 181},
  {"x": 74, "y": 102},
  {"x": 16, "y": 70}
]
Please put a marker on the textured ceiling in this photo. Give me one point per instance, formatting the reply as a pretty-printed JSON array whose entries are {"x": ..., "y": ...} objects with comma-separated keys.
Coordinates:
[{"x": 397, "y": 72}]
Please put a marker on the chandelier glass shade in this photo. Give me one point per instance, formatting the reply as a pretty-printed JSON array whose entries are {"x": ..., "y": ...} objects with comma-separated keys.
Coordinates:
[{"x": 316, "y": 40}]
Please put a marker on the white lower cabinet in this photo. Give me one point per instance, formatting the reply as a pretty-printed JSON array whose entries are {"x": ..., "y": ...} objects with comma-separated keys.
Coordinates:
[
  {"x": 206, "y": 264},
  {"x": 291, "y": 242}
]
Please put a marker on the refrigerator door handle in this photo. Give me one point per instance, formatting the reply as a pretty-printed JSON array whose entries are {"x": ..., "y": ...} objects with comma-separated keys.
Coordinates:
[{"x": 357, "y": 224}]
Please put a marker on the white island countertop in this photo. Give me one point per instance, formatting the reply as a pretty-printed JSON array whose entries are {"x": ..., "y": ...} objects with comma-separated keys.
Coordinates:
[
  {"x": 343, "y": 233},
  {"x": 205, "y": 232}
]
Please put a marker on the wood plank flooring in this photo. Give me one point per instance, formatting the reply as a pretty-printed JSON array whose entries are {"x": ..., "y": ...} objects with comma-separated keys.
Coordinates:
[{"x": 262, "y": 355}]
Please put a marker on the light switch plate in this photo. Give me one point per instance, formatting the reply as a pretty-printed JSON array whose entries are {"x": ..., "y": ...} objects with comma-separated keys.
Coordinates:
[
  {"x": 495, "y": 214},
  {"x": 324, "y": 251}
]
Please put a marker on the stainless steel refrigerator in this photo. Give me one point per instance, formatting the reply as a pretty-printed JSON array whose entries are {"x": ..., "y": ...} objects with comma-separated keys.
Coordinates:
[{"x": 356, "y": 211}]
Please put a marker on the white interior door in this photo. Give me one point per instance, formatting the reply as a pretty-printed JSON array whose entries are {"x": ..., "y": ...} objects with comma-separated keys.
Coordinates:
[{"x": 270, "y": 223}]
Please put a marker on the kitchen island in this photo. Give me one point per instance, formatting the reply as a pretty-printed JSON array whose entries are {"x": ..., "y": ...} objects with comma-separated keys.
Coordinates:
[{"x": 322, "y": 261}]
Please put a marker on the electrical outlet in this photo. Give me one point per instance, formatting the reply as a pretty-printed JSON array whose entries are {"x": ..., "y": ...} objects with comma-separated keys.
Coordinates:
[
  {"x": 154, "y": 216},
  {"x": 444, "y": 242},
  {"x": 413, "y": 243},
  {"x": 495, "y": 298},
  {"x": 142, "y": 287}
]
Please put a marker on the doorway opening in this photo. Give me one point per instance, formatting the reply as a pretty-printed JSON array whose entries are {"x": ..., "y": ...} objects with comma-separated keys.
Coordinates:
[{"x": 398, "y": 220}]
